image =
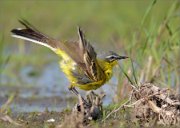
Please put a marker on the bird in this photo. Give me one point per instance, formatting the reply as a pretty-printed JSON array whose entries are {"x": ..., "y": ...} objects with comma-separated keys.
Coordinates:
[{"x": 79, "y": 61}]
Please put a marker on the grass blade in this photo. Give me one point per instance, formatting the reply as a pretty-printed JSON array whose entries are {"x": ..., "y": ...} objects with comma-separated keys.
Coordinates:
[
  {"x": 148, "y": 11},
  {"x": 129, "y": 79},
  {"x": 133, "y": 71}
]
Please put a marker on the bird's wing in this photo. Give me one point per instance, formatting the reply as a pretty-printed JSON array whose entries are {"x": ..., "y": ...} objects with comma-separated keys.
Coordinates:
[
  {"x": 30, "y": 33},
  {"x": 93, "y": 69},
  {"x": 84, "y": 55}
]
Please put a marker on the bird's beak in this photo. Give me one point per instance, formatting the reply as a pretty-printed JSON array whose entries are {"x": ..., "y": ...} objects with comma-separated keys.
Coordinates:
[{"x": 122, "y": 57}]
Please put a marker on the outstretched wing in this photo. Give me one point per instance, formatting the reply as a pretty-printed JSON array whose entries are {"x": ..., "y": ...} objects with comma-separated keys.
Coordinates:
[
  {"x": 84, "y": 55},
  {"x": 80, "y": 51}
]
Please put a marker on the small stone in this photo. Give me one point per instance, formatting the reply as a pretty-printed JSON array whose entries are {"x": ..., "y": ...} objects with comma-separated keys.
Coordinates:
[{"x": 51, "y": 120}]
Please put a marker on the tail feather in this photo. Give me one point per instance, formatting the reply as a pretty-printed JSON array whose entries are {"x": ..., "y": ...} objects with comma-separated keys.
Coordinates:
[{"x": 30, "y": 33}]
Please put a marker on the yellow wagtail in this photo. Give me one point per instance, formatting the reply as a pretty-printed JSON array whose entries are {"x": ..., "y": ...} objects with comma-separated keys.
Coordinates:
[{"x": 79, "y": 61}]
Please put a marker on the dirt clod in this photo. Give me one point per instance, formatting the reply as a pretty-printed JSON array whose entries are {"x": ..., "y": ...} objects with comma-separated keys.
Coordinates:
[{"x": 91, "y": 109}]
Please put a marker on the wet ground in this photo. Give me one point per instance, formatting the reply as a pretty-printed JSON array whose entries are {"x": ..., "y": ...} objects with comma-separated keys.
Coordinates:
[{"x": 41, "y": 94}]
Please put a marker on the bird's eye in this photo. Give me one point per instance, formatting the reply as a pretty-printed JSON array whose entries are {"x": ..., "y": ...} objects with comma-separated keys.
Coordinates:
[{"x": 112, "y": 57}]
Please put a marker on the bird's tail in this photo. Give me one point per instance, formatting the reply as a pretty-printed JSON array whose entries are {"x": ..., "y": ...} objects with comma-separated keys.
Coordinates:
[{"x": 30, "y": 33}]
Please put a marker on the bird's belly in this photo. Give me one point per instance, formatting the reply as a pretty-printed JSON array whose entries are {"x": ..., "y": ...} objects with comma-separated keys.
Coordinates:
[
  {"x": 97, "y": 84},
  {"x": 91, "y": 86}
]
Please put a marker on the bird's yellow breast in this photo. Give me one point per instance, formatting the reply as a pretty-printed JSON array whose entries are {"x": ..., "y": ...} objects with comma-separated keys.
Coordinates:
[{"x": 68, "y": 65}]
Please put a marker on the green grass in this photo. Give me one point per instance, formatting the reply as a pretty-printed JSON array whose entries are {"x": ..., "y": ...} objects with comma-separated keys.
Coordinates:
[
  {"x": 155, "y": 47},
  {"x": 4, "y": 59}
]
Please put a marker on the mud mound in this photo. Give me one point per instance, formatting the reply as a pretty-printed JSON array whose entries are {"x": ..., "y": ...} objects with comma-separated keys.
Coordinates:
[{"x": 153, "y": 105}]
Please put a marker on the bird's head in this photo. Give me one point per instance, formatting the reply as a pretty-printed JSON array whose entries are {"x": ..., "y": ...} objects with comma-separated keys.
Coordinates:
[{"x": 112, "y": 58}]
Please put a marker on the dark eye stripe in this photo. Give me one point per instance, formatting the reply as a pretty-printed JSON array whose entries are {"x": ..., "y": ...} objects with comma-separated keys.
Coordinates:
[{"x": 111, "y": 57}]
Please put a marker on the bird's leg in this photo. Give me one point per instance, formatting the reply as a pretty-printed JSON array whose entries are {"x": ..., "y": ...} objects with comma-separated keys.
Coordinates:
[{"x": 74, "y": 91}]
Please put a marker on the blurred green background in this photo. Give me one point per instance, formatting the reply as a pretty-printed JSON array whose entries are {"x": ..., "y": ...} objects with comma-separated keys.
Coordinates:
[{"x": 147, "y": 31}]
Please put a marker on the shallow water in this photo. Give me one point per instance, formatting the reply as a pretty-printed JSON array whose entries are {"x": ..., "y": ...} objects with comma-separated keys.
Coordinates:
[{"x": 48, "y": 90}]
